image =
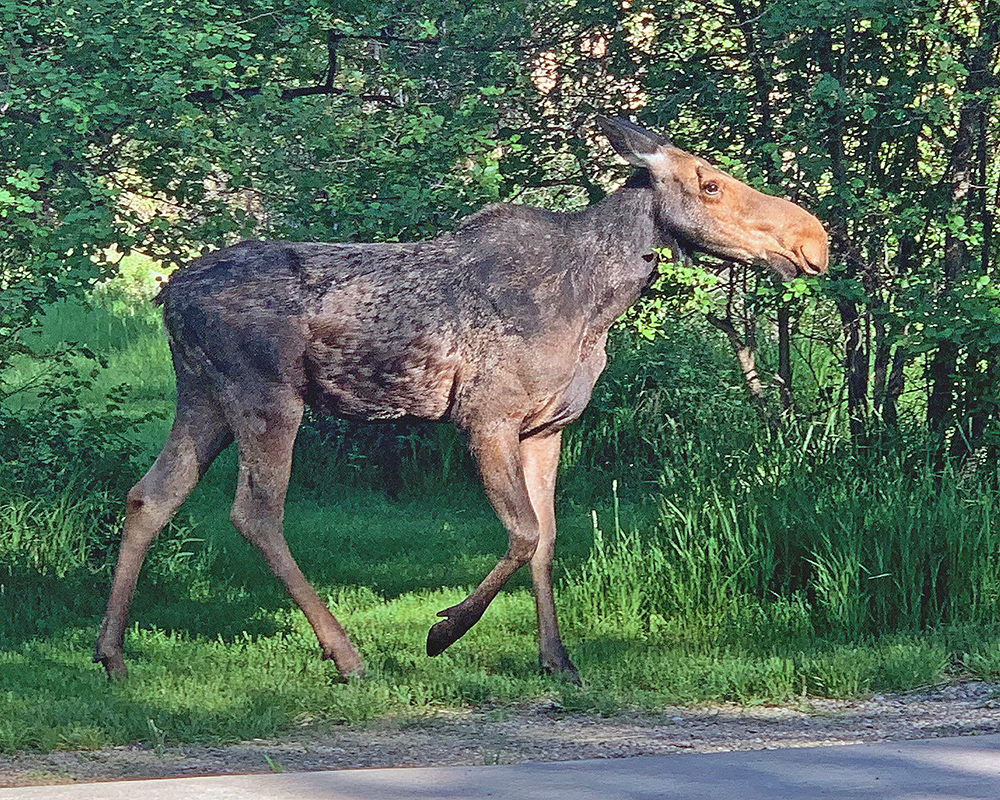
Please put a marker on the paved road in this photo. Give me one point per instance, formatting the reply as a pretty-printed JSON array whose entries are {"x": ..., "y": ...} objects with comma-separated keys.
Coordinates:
[{"x": 966, "y": 768}]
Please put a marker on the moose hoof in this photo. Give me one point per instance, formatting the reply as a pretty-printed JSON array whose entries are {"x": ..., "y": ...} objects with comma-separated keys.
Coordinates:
[
  {"x": 349, "y": 667},
  {"x": 456, "y": 623},
  {"x": 113, "y": 663}
]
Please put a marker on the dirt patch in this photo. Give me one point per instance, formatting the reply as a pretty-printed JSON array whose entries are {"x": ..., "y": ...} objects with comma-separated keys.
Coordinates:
[{"x": 543, "y": 732}]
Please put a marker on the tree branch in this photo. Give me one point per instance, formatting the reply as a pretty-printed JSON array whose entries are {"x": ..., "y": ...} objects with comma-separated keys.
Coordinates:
[
  {"x": 748, "y": 366},
  {"x": 210, "y": 96}
]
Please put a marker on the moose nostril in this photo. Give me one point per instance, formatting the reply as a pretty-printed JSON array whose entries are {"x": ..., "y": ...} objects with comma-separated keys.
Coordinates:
[
  {"x": 818, "y": 261},
  {"x": 815, "y": 254}
]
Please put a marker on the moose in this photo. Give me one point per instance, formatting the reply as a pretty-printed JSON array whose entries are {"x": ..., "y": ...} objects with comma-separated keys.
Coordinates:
[{"x": 498, "y": 327}]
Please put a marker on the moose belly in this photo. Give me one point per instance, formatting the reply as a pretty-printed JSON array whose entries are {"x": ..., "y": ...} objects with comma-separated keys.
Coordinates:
[{"x": 379, "y": 385}]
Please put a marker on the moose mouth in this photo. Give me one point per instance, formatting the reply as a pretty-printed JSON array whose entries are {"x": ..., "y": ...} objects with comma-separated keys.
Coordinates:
[
  {"x": 783, "y": 267},
  {"x": 776, "y": 263},
  {"x": 788, "y": 269},
  {"x": 717, "y": 262}
]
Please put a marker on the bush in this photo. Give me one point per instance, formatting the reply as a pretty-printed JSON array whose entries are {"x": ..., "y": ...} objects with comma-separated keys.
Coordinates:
[
  {"x": 65, "y": 468},
  {"x": 867, "y": 548}
]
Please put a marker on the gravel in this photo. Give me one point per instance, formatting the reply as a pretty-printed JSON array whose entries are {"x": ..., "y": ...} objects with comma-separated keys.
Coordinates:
[{"x": 539, "y": 732}]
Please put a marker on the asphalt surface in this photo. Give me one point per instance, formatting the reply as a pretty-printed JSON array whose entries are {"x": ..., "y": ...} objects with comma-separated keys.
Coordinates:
[{"x": 965, "y": 768}]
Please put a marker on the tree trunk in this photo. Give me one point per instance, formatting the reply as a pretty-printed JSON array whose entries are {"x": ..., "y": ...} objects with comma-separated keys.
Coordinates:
[
  {"x": 880, "y": 365},
  {"x": 761, "y": 74},
  {"x": 895, "y": 380},
  {"x": 894, "y": 388},
  {"x": 961, "y": 170},
  {"x": 785, "y": 356},
  {"x": 856, "y": 356},
  {"x": 855, "y": 369},
  {"x": 982, "y": 209}
]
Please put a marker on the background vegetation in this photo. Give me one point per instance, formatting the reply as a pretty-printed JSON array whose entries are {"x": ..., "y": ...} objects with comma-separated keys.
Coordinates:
[{"x": 826, "y": 527}]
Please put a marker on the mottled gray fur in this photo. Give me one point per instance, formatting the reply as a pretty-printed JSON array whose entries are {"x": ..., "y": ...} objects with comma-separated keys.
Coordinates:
[{"x": 516, "y": 300}]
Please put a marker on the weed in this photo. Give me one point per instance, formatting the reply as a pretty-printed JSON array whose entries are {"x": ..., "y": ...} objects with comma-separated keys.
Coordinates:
[
  {"x": 984, "y": 661},
  {"x": 158, "y": 739},
  {"x": 273, "y": 764}
]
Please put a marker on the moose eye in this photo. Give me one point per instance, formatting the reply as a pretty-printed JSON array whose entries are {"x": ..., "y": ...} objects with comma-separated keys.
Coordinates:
[{"x": 710, "y": 187}]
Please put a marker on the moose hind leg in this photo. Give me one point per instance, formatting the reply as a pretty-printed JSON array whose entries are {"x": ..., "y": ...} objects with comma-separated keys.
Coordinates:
[
  {"x": 197, "y": 436},
  {"x": 258, "y": 514},
  {"x": 498, "y": 458}
]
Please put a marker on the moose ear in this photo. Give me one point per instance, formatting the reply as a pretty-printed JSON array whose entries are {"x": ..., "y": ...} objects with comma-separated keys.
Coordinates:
[{"x": 636, "y": 145}]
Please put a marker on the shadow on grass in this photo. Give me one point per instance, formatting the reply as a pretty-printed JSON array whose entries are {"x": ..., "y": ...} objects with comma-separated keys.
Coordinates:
[
  {"x": 57, "y": 704},
  {"x": 214, "y": 585},
  {"x": 184, "y": 688},
  {"x": 217, "y": 653},
  {"x": 351, "y": 537},
  {"x": 42, "y": 607},
  {"x": 38, "y": 606}
]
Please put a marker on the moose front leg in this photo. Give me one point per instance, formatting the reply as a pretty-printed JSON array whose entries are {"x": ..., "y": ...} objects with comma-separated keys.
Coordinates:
[
  {"x": 497, "y": 454},
  {"x": 540, "y": 460}
]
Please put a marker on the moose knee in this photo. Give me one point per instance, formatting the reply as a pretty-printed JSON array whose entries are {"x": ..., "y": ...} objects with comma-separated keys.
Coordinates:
[
  {"x": 137, "y": 499},
  {"x": 255, "y": 521},
  {"x": 241, "y": 517},
  {"x": 523, "y": 544}
]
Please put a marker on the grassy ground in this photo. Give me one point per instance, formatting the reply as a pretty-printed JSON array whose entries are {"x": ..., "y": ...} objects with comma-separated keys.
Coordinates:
[{"x": 728, "y": 569}]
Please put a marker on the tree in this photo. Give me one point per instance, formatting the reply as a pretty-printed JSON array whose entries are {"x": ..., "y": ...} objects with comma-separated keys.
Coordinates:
[
  {"x": 174, "y": 128},
  {"x": 137, "y": 123},
  {"x": 877, "y": 114}
]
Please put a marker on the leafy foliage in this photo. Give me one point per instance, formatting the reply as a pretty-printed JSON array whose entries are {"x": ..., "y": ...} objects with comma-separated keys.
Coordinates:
[
  {"x": 877, "y": 114},
  {"x": 173, "y": 129}
]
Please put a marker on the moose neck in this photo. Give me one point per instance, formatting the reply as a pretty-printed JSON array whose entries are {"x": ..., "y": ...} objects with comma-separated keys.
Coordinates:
[{"x": 613, "y": 243}]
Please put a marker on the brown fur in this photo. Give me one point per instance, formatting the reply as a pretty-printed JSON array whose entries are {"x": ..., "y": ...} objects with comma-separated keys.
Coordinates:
[{"x": 498, "y": 328}]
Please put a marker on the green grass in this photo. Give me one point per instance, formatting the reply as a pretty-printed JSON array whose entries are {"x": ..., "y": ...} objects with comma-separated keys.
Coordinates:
[
  {"x": 121, "y": 325},
  {"x": 217, "y": 652},
  {"x": 719, "y": 564}
]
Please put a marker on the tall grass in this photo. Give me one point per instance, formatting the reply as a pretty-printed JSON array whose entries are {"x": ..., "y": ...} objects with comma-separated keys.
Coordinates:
[
  {"x": 50, "y": 536},
  {"x": 870, "y": 549},
  {"x": 120, "y": 326}
]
